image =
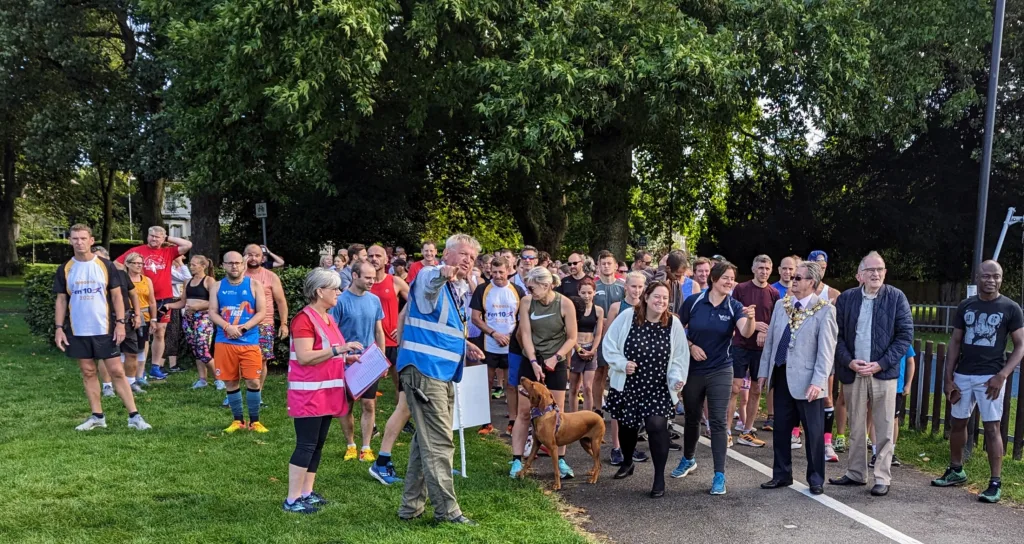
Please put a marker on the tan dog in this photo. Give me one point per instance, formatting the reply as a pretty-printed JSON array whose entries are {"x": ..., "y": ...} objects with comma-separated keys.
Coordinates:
[{"x": 553, "y": 429}]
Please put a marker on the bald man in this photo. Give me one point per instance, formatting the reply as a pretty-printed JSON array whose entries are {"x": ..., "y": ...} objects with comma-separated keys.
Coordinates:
[{"x": 237, "y": 306}]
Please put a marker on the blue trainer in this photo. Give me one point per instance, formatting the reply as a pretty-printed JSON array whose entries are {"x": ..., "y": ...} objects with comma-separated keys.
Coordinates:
[
  {"x": 517, "y": 467},
  {"x": 685, "y": 467},
  {"x": 156, "y": 373},
  {"x": 385, "y": 475},
  {"x": 718, "y": 484},
  {"x": 565, "y": 471},
  {"x": 299, "y": 507}
]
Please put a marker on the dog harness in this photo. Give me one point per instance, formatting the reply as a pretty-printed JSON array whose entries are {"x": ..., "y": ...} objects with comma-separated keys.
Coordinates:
[{"x": 537, "y": 412}]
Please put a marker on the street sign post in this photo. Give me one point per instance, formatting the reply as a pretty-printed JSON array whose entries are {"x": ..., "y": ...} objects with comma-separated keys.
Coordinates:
[{"x": 261, "y": 214}]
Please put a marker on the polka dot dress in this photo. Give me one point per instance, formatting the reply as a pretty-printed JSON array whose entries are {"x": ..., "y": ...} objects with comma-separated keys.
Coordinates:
[{"x": 646, "y": 390}]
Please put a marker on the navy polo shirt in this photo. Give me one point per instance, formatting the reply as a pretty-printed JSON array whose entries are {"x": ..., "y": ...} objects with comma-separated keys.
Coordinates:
[{"x": 710, "y": 328}]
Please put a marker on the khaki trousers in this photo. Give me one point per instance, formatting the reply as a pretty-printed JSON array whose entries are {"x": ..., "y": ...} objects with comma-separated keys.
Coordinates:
[{"x": 881, "y": 396}]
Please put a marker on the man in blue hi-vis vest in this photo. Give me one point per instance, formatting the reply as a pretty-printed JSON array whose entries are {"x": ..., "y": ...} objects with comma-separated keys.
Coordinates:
[{"x": 432, "y": 350}]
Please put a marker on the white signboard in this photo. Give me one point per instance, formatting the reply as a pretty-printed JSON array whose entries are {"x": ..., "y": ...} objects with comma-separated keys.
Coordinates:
[
  {"x": 972, "y": 290},
  {"x": 261, "y": 210},
  {"x": 472, "y": 398}
]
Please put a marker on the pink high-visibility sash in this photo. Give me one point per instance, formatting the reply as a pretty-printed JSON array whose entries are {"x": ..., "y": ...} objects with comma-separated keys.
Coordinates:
[{"x": 318, "y": 390}]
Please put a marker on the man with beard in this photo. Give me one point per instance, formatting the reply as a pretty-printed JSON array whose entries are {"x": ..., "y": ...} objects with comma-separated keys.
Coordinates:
[
  {"x": 273, "y": 296},
  {"x": 429, "y": 251}
]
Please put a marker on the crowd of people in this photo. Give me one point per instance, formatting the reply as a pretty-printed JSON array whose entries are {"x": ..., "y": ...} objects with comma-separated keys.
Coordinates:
[{"x": 639, "y": 344}]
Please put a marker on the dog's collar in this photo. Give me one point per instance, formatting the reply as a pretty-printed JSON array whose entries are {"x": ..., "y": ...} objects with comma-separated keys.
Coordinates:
[{"x": 537, "y": 412}]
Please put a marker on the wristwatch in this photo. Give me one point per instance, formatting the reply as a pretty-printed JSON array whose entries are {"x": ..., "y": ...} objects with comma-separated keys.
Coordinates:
[
  {"x": 559, "y": 358},
  {"x": 334, "y": 351},
  {"x": 123, "y": 321}
]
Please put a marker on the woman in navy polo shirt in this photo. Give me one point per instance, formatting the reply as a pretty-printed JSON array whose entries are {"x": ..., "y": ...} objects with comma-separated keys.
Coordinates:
[{"x": 710, "y": 318}]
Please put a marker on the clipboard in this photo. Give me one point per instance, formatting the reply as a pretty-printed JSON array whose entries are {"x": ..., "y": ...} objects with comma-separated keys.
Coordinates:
[{"x": 370, "y": 367}]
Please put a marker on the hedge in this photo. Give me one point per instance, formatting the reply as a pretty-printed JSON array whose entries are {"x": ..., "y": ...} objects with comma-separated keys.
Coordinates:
[
  {"x": 59, "y": 251},
  {"x": 39, "y": 300}
]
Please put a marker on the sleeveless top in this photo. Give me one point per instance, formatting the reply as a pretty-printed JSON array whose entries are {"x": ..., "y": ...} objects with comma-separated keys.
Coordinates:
[
  {"x": 237, "y": 305},
  {"x": 199, "y": 292},
  {"x": 318, "y": 390},
  {"x": 547, "y": 326},
  {"x": 266, "y": 279},
  {"x": 142, "y": 290},
  {"x": 587, "y": 322},
  {"x": 385, "y": 291},
  {"x": 824, "y": 292}
]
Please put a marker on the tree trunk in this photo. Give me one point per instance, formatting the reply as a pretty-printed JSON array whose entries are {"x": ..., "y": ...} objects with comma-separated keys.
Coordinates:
[
  {"x": 538, "y": 205},
  {"x": 608, "y": 155},
  {"x": 151, "y": 211},
  {"x": 107, "y": 190},
  {"x": 206, "y": 223},
  {"x": 11, "y": 191}
]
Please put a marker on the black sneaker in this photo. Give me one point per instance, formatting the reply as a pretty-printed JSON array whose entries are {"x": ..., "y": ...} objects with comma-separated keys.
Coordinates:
[
  {"x": 674, "y": 446},
  {"x": 639, "y": 456},
  {"x": 315, "y": 500},
  {"x": 642, "y": 436},
  {"x": 175, "y": 369},
  {"x": 871, "y": 464},
  {"x": 896, "y": 461},
  {"x": 992, "y": 494},
  {"x": 672, "y": 435}
]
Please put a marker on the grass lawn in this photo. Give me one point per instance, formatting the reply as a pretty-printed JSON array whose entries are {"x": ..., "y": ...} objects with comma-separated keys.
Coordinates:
[
  {"x": 186, "y": 481},
  {"x": 930, "y": 453}
]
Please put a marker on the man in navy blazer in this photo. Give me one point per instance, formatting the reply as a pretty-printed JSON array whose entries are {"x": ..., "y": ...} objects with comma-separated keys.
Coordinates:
[{"x": 875, "y": 332}]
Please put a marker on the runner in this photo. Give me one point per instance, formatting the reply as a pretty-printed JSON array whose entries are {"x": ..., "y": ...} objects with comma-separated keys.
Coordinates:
[
  {"x": 130, "y": 346},
  {"x": 571, "y": 284},
  {"x": 978, "y": 371},
  {"x": 143, "y": 287},
  {"x": 590, "y": 327},
  {"x": 701, "y": 272},
  {"x": 198, "y": 327},
  {"x": 271, "y": 261},
  {"x": 429, "y": 251},
  {"x": 786, "y": 269},
  {"x": 356, "y": 252},
  {"x": 156, "y": 266},
  {"x": 237, "y": 307},
  {"x": 274, "y": 296},
  {"x": 360, "y": 316},
  {"x": 495, "y": 307},
  {"x": 179, "y": 275},
  {"x": 548, "y": 334},
  {"x": 710, "y": 318},
  {"x": 90, "y": 307},
  {"x": 388, "y": 289},
  {"x": 635, "y": 284},
  {"x": 746, "y": 351},
  {"x": 527, "y": 261}
]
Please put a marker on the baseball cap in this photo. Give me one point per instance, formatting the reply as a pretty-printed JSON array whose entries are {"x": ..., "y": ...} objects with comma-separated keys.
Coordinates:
[{"x": 817, "y": 253}]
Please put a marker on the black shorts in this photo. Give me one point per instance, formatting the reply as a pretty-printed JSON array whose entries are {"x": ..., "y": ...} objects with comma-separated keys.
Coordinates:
[
  {"x": 496, "y": 360},
  {"x": 899, "y": 405},
  {"x": 131, "y": 344},
  {"x": 391, "y": 352},
  {"x": 745, "y": 361},
  {"x": 556, "y": 380},
  {"x": 92, "y": 347},
  {"x": 370, "y": 393}
]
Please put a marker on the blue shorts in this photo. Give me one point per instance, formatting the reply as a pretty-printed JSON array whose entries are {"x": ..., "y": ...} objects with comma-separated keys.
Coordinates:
[{"x": 514, "y": 360}]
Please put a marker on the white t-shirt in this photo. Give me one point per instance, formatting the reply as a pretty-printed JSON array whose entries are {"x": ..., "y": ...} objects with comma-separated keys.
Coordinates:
[
  {"x": 499, "y": 307},
  {"x": 87, "y": 285}
]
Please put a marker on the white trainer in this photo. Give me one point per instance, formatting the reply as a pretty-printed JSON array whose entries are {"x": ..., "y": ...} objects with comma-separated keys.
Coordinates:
[
  {"x": 92, "y": 423},
  {"x": 138, "y": 423}
]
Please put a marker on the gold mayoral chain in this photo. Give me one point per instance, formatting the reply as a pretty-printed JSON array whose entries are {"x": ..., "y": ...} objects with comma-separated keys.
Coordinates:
[{"x": 797, "y": 317}]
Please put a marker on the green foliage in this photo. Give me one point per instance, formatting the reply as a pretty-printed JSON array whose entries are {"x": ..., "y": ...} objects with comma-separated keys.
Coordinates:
[
  {"x": 292, "y": 278},
  {"x": 39, "y": 299},
  {"x": 59, "y": 251}
]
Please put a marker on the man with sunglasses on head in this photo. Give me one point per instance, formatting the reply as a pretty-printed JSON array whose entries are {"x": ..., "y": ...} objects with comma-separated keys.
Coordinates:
[
  {"x": 570, "y": 285},
  {"x": 527, "y": 260}
]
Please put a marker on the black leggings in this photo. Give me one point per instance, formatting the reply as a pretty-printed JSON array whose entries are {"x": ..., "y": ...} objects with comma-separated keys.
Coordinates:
[
  {"x": 310, "y": 435},
  {"x": 657, "y": 438},
  {"x": 716, "y": 388}
]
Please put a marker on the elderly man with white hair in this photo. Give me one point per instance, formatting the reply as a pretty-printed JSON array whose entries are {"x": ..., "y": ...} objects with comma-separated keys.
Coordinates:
[{"x": 433, "y": 349}]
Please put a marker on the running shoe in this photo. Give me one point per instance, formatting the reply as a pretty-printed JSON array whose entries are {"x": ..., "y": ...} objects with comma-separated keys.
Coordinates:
[
  {"x": 156, "y": 373},
  {"x": 769, "y": 425},
  {"x": 639, "y": 456},
  {"x": 315, "y": 499},
  {"x": 684, "y": 468},
  {"x": 565, "y": 471},
  {"x": 529, "y": 445},
  {"x": 616, "y": 457},
  {"x": 749, "y": 438},
  {"x": 992, "y": 494},
  {"x": 830, "y": 454},
  {"x": 840, "y": 443},
  {"x": 718, "y": 484},
  {"x": 175, "y": 369},
  {"x": 142, "y": 380},
  {"x": 871, "y": 463},
  {"x": 385, "y": 475},
  {"x": 137, "y": 389},
  {"x": 258, "y": 427},
  {"x": 795, "y": 442},
  {"x": 728, "y": 443},
  {"x": 738, "y": 427},
  {"x": 376, "y": 431},
  {"x": 366, "y": 455},
  {"x": 136, "y": 422},
  {"x": 486, "y": 430},
  {"x": 92, "y": 423},
  {"x": 642, "y": 436},
  {"x": 674, "y": 446},
  {"x": 199, "y": 384},
  {"x": 951, "y": 477},
  {"x": 108, "y": 390},
  {"x": 896, "y": 461},
  {"x": 496, "y": 392},
  {"x": 674, "y": 435},
  {"x": 220, "y": 385},
  {"x": 351, "y": 453},
  {"x": 299, "y": 507},
  {"x": 517, "y": 467},
  {"x": 236, "y": 425}
]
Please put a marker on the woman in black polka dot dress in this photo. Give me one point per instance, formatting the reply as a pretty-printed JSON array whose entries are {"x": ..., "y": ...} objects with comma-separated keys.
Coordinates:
[{"x": 646, "y": 350}]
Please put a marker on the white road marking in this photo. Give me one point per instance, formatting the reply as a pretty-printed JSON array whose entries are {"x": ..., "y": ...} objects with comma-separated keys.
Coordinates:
[{"x": 863, "y": 519}]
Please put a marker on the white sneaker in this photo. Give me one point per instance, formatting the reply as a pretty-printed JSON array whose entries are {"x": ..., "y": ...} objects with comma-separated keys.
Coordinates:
[
  {"x": 739, "y": 427},
  {"x": 137, "y": 389},
  {"x": 108, "y": 390},
  {"x": 138, "y": 423},
  {"x": 795, "y": 443},
  {"x": 219, "y": 384},
  {"x": 92, "y": 423},
  {"x": 830, "y": 454},
  {"x": 529, "y": 446}
]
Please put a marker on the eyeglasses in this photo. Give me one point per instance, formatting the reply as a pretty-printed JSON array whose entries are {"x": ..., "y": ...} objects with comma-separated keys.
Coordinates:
[
  {"x": 647, "y": 262},
  {"x": 800, "y": 278},
  {"x": 574, "y": 263},
  {"x": 528, "y": 257},
  {"x": 134, "y": 262},
  {"x": 623, "y": 270},
  {"x": 233, "y": 263},
  {"x": 873, "y": 270}
]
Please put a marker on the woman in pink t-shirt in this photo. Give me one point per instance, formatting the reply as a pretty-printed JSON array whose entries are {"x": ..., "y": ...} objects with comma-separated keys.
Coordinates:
[{"x": 316, "y": 385}]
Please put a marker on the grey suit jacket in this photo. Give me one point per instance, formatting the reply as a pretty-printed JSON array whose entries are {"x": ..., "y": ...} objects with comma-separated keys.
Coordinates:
[{"x": 810, "y": 359}]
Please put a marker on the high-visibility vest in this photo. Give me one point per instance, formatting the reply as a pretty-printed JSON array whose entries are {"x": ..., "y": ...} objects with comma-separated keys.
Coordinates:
[
  {"x": 434, "y": 343},
  {"x": 318, "y": 390}
]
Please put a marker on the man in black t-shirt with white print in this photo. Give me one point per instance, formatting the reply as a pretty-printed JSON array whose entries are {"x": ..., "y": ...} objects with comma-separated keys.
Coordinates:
[{"x": 978, "y": 371}]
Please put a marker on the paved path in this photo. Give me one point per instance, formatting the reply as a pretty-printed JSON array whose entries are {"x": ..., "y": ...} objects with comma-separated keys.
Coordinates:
[{"x": 621, "y": 511}]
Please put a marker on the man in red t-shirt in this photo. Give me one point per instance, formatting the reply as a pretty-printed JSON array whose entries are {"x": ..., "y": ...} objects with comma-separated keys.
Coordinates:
[
  {"x": 156, "y": 266},
  {"x": 746, "y": 352},
  {"x": 429, "y": 259}
]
